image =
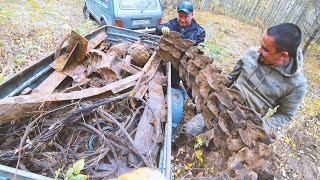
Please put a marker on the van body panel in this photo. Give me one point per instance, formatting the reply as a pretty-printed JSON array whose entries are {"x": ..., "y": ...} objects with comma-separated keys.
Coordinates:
[{"x": 134, "y": 14}]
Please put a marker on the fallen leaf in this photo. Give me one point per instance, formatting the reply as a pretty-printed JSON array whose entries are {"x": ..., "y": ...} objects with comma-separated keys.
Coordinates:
[
  {"x": 286, "y": 139},
  {"x": 188, "y": 166},
  {"x": 198, "y": 154}
]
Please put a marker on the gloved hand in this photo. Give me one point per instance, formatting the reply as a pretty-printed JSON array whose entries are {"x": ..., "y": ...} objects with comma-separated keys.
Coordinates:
[
  {"x": 165, "y": 31},
  {"x": 201, "y": 47}
]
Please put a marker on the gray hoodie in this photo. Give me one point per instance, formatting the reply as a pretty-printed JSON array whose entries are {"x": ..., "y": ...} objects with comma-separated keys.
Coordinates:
[{"x": 266, "y": 86}]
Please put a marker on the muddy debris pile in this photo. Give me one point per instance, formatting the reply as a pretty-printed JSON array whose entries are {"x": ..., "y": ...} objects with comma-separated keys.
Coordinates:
[
  {"x": 104, "y": 103},
  {"x": 235, "y": 146}
]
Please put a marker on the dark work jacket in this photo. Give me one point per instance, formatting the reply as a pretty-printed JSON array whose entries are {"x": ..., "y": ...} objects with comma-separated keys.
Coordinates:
[{"x": 193, "y": 32}]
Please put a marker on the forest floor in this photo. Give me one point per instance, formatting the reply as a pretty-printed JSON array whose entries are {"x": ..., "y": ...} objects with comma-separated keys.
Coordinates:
[{"x": 31, "y": 29}]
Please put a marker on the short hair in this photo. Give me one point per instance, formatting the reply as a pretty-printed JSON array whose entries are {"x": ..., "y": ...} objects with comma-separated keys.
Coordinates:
[{"x": 287, "y": 37}]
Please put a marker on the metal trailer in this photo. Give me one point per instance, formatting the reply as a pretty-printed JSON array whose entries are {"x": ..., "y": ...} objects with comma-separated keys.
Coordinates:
[{"x": 36, "y": 73}]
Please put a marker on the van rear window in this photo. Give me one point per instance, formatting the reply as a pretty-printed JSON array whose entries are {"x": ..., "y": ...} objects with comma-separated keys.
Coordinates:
[{"x": 138, "y": 4}]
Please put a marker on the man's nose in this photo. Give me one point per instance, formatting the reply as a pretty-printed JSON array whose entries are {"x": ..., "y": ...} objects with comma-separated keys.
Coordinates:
[{"x": 260, "y": 50}]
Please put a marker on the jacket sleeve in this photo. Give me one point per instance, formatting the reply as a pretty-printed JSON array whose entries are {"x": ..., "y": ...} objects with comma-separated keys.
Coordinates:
[
  {"x": 236, "y": 71},
  {"x": 158, "y": 29},
  {"x": 288, "y": 106},
  {"x": 201, "y": 36},
  {"x": 167, "y": 24},
  {"x": 234, "y": 74}
]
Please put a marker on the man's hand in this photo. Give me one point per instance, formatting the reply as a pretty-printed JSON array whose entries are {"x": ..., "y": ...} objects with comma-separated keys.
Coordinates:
[
  {"x": 165, "y": 31},
  {"x": 201, "y": 47}
]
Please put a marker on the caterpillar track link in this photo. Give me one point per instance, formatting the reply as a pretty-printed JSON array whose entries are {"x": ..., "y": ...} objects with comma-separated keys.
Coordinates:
[{"x": 239, "y": 148}]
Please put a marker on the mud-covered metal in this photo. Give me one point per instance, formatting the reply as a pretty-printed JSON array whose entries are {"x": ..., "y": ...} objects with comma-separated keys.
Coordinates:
[{"x": 238, "y": 145}]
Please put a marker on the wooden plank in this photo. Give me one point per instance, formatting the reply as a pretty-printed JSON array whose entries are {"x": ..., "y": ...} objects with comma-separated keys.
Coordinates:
[{"x": 24, "y": 106}]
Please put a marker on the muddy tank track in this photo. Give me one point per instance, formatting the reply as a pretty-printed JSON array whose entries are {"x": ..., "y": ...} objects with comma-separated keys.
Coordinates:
[{"x": 239, "y": 146}]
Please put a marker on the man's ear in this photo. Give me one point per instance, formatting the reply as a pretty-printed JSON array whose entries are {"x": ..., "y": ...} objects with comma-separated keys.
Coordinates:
[{"x": 284, "y": 55}]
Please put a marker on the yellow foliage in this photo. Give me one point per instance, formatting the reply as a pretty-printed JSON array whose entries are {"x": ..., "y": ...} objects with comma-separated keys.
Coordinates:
[
  {"x": 312, "y": 106},
  {"x": 264, "y": 4},
  {"x": 199, "y": 142},
  {"x": 2, "y": 77},
  {"x": 188, "y": 166},
  {"x": 286, "y": 139},
  {"x": 198, "y": 154},
  {"x": 20, "y": 59},
  {"x": 292, "y": 155}
]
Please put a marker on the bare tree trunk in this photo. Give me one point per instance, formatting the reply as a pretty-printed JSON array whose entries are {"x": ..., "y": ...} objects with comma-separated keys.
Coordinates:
[
  {"x": 254, "y": 8},
  {"x": 205, "y": 4},
  {"x": 302, "y": 15},
  {"x": 273, "y": 16},
  {"x": 164, "y": 4},
  {"x": 311, "y": 38},
  {"x": 286, "y": 7},
  {"x": 259, "y": 11},
  {"x": 318, "y": 40},
  {"x": 290, "y": 11},
  {"x": 237, "y": 13},
  {"x": 268, "y": 10},
  {"x": 233, "y": 7},
  {"x": 244, "y": 8},
  {"x": 296, "y": 12}
]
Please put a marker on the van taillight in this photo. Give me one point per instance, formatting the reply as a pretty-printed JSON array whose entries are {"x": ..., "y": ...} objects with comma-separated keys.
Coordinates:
[
  {"x": 118, "y": 22},
  {"x": 159, "y": 20}
]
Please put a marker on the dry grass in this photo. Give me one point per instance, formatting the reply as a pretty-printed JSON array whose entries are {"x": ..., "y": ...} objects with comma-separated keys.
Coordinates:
[{"x": 31, "y": 29}]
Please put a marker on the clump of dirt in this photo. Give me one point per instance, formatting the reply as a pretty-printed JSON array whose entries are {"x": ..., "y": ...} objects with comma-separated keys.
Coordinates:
[
  {"x": 119, "y": 49},
  {"x": 139, "y": 54}
]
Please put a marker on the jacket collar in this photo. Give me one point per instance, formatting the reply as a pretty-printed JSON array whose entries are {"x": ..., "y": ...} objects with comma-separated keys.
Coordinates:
[
  {"x": 294, "y": 67},
  {"x": 192, "y": 26}
]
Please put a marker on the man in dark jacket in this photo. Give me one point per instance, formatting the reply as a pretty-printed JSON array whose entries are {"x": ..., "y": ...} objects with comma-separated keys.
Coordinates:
[
  {"x": 184, "y": 24},
  {"x": 189, "y": 29}
]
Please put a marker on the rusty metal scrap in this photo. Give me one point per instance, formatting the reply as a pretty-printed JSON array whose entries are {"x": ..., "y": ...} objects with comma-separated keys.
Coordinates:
[
  {"x": 173, "y": 48},
  {"x": 108, "y": 94},
  {"x": 75, "y": 53},
  {"x": 99, "y": 104}
]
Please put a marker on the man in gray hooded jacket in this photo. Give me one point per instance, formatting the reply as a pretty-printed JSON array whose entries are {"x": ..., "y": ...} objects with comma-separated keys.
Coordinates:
[{"x": 269, "y": 77}]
